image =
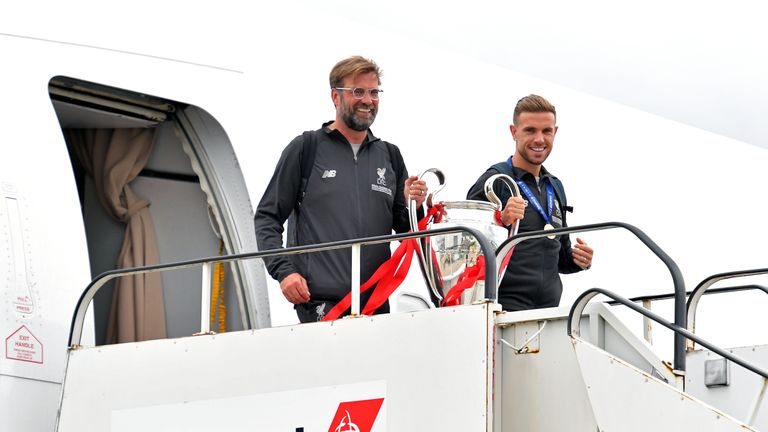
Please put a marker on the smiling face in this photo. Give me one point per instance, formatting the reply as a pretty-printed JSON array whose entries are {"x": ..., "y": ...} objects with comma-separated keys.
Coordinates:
[
  {"x": 534, "y": 134},
  {"x": 357, "y": 114}
]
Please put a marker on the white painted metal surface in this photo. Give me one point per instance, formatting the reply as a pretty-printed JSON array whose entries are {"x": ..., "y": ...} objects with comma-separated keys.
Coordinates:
[
  {"x": 543, "y": 375},
  {"x": 743, "y": 397},
  {"x": 626, "y": 399},
  {"x": 210, "y": 151},
  {"x": 432, "y": 368},
  {"x": 18, "y": 393},
  {"x": 43, "y": 254}
]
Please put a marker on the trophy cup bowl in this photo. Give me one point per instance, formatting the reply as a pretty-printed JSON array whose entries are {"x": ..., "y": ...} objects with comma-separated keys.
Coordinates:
[{"x": 445, "y": 258}]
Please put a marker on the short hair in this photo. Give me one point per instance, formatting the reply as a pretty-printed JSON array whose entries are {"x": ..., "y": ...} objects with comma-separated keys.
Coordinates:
[
  {"x": 353, "y": 66},
  {"x": 532, "y": 103}
]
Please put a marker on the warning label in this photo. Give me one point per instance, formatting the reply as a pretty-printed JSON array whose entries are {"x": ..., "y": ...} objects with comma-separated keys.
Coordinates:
[
  {"x": 24, "y": 304},
  {"x": 22, "y": 345}
]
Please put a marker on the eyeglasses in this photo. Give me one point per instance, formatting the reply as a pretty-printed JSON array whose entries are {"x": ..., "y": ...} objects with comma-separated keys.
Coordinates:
[{"x": 359, "y": 92}]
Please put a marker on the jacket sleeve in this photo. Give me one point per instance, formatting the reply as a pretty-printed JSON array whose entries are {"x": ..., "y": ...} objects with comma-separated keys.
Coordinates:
[
  {"x": 565, "y": 262},
  {"x": 275, "y": 207}
]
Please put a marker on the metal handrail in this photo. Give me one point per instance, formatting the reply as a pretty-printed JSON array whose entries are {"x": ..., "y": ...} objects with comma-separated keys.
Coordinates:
[
  {"x": 574, "y": 324},
  {"x": 722, "y": 290},
  {"x": 693, "y": 300},
  {"x": 76, "y": 329},
  {"x": 677, "y": 277}
]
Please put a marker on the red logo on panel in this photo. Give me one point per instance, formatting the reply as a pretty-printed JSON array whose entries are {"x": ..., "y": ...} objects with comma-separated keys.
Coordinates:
[{"x": 357, "y": 416}]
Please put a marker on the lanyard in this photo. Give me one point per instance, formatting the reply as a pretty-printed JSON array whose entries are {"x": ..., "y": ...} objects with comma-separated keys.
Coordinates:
[{"x": 532, "y": 198}]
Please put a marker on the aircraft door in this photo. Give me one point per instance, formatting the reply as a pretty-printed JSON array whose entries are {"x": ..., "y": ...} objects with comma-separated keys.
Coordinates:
[{"x": 197, "y": 203}]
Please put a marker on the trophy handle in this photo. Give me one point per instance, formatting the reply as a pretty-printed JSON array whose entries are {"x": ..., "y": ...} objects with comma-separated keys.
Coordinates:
[
  {"x": 423, "y": 246},
  {"x": 440, "y": 177},
  {"x": 412, "y": 204},
  {"x": 502, "y": 261},
  {"x": 493, "y": 198}
]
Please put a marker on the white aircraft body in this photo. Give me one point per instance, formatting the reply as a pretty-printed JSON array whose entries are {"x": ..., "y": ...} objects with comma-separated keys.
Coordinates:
[{"x": 223, "y": 89}]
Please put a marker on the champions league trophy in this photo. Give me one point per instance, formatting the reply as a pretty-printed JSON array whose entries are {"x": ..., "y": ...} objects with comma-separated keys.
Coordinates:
[{"x": 447, "y": 259}]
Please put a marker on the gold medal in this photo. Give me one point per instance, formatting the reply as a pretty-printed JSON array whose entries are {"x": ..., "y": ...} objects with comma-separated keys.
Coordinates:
[{"x": 548, "y": 227}]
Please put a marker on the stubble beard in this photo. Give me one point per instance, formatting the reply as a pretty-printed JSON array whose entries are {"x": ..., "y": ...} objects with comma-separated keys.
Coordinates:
[
  {"x": 531, "y": 158},
  {"x": 352, "y": 121}
]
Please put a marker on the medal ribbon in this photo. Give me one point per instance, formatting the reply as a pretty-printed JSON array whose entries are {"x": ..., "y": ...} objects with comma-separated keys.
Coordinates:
[
  {"x": 536, "y": 204},
  {"x": 390, "y": 273},
  {"x": 533, "y": 200}
]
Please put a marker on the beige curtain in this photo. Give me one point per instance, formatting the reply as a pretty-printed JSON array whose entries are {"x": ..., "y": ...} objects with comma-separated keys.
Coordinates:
[{"x": 113, "y": 158}]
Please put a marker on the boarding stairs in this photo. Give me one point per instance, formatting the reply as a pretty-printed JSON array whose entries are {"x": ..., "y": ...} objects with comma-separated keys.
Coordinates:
[{"x": 464, "y": 368}]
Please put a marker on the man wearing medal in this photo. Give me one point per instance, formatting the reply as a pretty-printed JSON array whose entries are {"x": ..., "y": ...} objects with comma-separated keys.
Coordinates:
[{"x": 532, "y": 279}]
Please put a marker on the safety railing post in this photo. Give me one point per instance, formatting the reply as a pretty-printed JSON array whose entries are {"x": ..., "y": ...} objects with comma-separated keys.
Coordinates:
[
  {"x": 647, "y": 324},
  {"x": 355, "y": 280},
  {"x": 205, "y": 300}
]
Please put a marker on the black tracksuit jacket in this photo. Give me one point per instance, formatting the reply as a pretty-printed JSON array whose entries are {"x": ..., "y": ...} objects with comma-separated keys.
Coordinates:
[
  {"x": 532, "y": 279},
  {"x": 346, "y": 198}
]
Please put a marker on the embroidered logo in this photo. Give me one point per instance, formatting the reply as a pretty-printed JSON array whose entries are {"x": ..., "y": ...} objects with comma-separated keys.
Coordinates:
[
  {"x": 381, "y": 180},
  {"x": 381, "y": 189},
  {"x": 320, "y": 311},
  {"x": 329, "y": 173}
]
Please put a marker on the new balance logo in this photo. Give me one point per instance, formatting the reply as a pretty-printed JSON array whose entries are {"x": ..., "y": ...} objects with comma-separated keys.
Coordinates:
[{"x": 329, "y": 173}]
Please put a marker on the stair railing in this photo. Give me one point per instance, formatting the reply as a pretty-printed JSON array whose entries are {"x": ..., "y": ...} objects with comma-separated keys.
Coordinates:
[
  {"x": 574, "y": 324},
  {"x": 704, "y": 287},
  {"x": 76, "y": 329},
  {"x": 677, "y": 277}
]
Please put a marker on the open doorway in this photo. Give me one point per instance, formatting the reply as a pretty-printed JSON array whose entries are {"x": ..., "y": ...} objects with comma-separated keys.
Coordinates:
[{"x": 194, "y": 189}]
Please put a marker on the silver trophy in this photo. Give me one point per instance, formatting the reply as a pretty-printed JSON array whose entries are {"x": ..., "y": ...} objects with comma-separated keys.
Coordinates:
[{"x": 445, "y": 258}]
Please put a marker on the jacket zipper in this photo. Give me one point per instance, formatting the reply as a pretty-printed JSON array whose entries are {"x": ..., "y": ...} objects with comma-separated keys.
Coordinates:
[{"x": 358, "y": 206}]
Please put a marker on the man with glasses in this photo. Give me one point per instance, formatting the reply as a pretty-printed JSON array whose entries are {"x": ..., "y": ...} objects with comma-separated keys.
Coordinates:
[
  {"x": 354, "y": 186},
  {"x": 532, "y": 279}
]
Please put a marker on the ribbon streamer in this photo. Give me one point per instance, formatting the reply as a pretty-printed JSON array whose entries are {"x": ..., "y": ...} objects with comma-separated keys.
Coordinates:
[{"x": 390, "y": 274}]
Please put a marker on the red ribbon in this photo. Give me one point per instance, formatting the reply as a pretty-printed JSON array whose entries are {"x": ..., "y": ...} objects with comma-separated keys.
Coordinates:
[
  {"x": 473, "y": 273},
  {"x": 497, "y": 217},
  {"x": 390, "y": 274},
  {"x": 468, "y": 278}
]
